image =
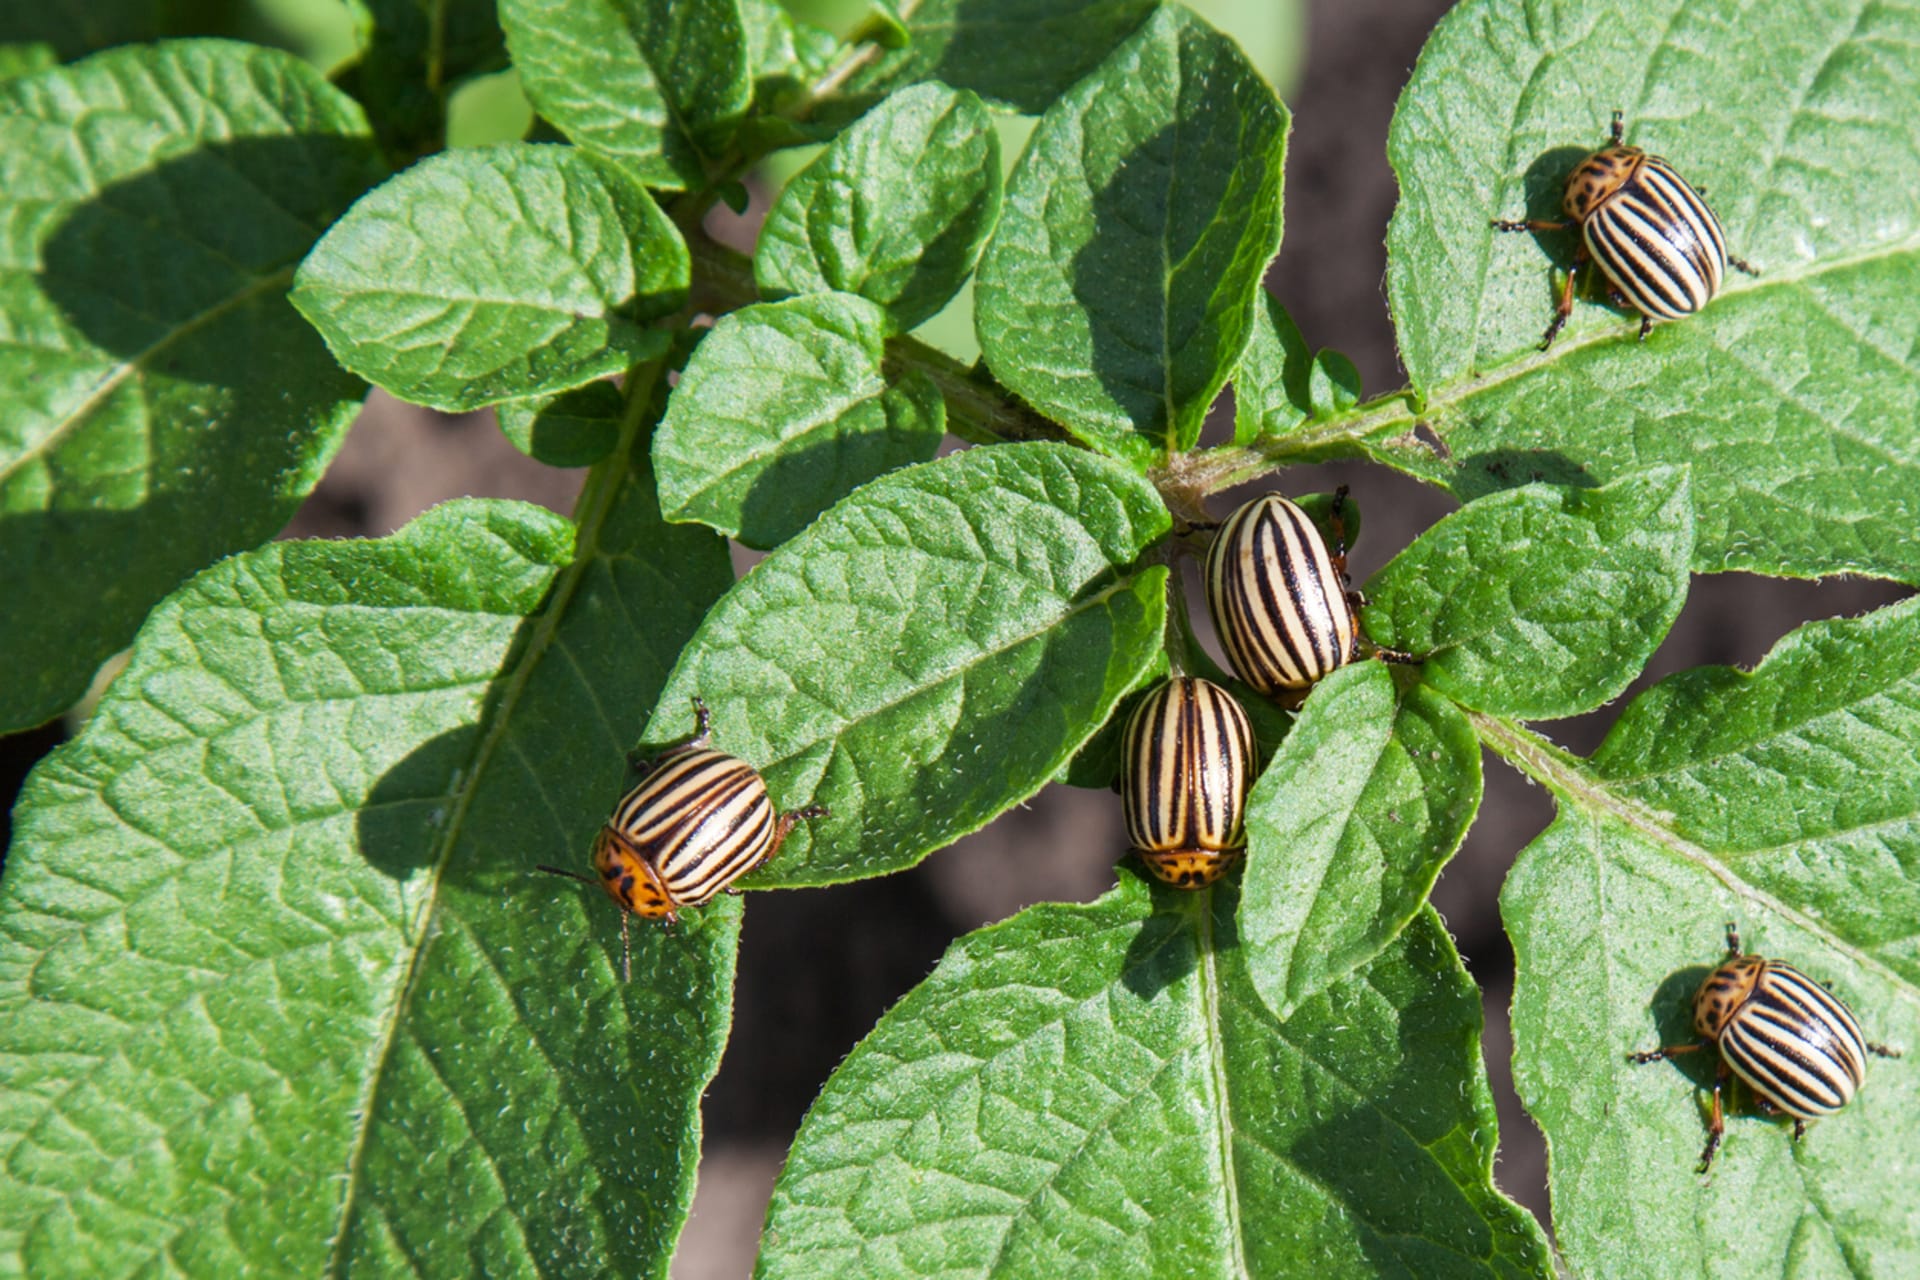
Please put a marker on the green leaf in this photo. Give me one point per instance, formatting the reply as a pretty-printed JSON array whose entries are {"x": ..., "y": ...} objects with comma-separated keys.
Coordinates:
[
  {"x": 1794, "y": 396},
  {"x": 1014, "y": 53},
  {"x": 1786, "y": 800},
  {"x": 931, "y": 650},
  {"x": 1270, "y": 393},
  {"x": 280, "y": 992},
  {"x": 897, "y": 210},
  {"x": 70, "y": 31},
  {"x": 1541, "y": 602},
  {"x": 415, "y": 52},
  {"x": 1348, "y": 828},
  {"x": 25, "y": 58},
  {"x": 1121, "y": 285},
  {"x": 167, "y": 407},
  {"x": 785, "y": 53},
  {"x": 495, "y": 274},
  {"x": 783, "y": 411},
  {"x": 1333, "y": 384},
  {"x": 1097, "y": 1090},
  {"x": 576, "y": 428},
  {"x": 1805, "y": 772},
  {"x": 659, "y": 85}
]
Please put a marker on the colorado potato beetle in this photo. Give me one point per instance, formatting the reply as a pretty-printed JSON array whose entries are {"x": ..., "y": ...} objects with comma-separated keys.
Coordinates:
[
  {"x": 696, "y": 822},
  {"x": 1793, "y": 1042},
  {"x": 1188, "y": 759},
  {"x": 1279, "y": 600},
  {"x": 1658, "y": 243}
]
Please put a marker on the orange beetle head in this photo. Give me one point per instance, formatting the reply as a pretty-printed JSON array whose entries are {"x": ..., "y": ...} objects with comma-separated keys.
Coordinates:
[{"x": 629, "y": 878}]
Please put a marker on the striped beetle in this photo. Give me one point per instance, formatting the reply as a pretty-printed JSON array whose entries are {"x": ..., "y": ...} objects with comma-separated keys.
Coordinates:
[
  {"x": 695, "y": 822},
  {"x": 1279, "y": 600},
  {"x": 1189, "y": 759},
  {"x": 1790, "y": 1039},
  {"x": 1659, "y": 244}
]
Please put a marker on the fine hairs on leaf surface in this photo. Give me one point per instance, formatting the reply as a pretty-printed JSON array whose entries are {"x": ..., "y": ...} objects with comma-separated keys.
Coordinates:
[{"x": 281, "y": 990}]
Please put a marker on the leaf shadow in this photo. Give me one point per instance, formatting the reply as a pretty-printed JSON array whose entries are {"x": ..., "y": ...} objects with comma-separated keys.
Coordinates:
[
  {"x": 1413, "y": 1222},
  {"x": 1545, "y": 186},
  {"x": 149, "y": 264},
  {"x": 1137, "y": 222},
  {"x": 205, "y": 407},
  {"x": 1477, "y": 475},
  {"x": 802, "y": 479},
  {"x": 398, "y": 828},
  {"x": 1155, "y": 959},
  {"x": 1670, "y": 1011}
]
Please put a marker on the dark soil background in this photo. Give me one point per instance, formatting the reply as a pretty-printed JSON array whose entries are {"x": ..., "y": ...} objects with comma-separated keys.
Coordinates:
[{"x": 817, "y": 968}]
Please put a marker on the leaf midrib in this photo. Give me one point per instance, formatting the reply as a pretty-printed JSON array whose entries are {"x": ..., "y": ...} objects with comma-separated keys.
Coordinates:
[
  {"x": 1570, "y": 781},
  {"x": 118, "y": 375},
  {"x": 1375, "y": 423},
  {"x": 596, "y": 506},
  {"x": 1121, "y": 584}
]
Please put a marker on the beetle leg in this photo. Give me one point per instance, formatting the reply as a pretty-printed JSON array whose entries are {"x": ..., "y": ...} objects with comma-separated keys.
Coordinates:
[
  {"x": 1619, "y": 126},
  {"x": 1337, "y": 517},
  {"x": 782, "y": 826},
  {"x": 702, "y": 721},
  {"x": 1718, "y": 1125},
  {"x": 1646, "y": 326},
  {"x": 1882, "y": 1051},
  {"x": 1528, "y": 224},
  {"x": 1742, "y": 265},
  {"x": 1733, "y": 940},
  {"x": 1668, "y": 1051},
  {"x": 1398, "y": 657},
  {"x": 1565, "y": 308}
]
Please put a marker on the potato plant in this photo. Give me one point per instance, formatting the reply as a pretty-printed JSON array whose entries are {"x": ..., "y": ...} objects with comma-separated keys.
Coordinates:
[{"x": 279, "y": 990}]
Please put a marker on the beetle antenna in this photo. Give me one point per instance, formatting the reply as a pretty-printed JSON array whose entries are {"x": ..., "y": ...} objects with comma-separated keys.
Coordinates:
[{"x": 561, "y": 871}]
